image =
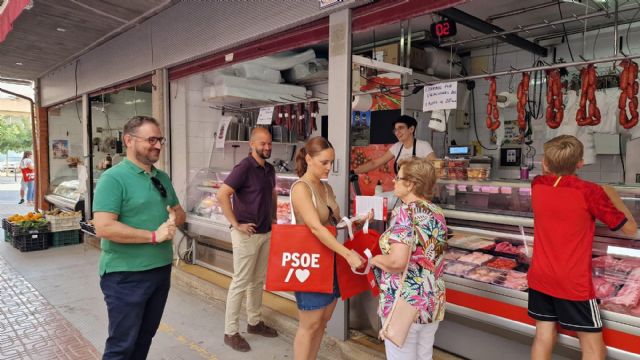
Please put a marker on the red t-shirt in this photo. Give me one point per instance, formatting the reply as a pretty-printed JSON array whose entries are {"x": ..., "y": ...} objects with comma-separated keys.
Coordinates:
[{"x": 564, "y": 224}]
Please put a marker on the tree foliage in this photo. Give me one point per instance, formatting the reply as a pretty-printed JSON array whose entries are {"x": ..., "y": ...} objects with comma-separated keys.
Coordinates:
[{"x": 15, "y": 135}]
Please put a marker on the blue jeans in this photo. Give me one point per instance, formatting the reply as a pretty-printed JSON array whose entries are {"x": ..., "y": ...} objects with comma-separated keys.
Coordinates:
[
  {"x": 135, "y": 302},
  {"x": 30, "y": 190}
]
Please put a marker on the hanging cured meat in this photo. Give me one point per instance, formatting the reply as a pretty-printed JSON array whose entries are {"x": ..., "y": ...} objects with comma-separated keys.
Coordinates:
[
  {"x": 493, "y": 116},
  {"x": 588, "y": 79},
  {"x": 629, "y": 93},
  {"x": 555, "y": 106},
  {"x": 523, "y": 95}
]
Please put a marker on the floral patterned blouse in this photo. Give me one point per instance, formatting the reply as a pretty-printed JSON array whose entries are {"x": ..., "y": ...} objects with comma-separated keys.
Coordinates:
[{"x": 422, "y": 226}]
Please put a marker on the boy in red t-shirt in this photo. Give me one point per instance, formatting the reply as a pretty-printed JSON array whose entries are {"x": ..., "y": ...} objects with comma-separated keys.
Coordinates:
[{"x": 565, "y": 209}]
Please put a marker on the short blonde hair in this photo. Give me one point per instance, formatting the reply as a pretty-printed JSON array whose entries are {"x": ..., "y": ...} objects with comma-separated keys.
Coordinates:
[
  {"x": 562, "y": 154},
  {"x": 422, "y": 173}
]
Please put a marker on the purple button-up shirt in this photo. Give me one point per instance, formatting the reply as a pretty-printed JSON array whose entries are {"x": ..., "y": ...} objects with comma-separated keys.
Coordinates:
[{"x": 253, "y": 199}]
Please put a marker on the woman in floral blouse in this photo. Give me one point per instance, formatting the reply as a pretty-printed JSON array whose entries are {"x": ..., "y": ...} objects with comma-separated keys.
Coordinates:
[{"x": 419, "y": 227}]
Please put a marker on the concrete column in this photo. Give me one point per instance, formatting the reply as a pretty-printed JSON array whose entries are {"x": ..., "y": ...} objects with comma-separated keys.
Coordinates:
[
  {"x": 159, "y": 106},
  {"x": 86, "y": 153},
  {"x": 339, "y": 125}
]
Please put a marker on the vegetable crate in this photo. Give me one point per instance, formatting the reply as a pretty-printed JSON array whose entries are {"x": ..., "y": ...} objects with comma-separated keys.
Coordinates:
[
  {"x": 31, "y": 242},
  {"x": 18, "y": 229},
  {"x": 63, "y": 238},
  {"x": 7, "y": 236},
  {"x": 63, "y": 223}
]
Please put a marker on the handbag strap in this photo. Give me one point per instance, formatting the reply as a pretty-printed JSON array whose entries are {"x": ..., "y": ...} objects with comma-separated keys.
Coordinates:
[
  {"x": 406, "y": 268},
  {"x": 313, "y": 198}
]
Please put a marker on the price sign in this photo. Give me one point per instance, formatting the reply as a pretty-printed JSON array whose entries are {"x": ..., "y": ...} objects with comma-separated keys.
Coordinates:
[
  {"x": 444, "y": 28},
  {"x": 265, "y": 116},
  {"x": 441, "y": 96}
]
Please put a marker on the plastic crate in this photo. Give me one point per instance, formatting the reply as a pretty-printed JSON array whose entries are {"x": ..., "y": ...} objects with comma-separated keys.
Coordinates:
[
  {"x": 16, "y": 229},
  {"x": 7, "y": 236},
  {"x": 5, "y": 224},
  {"x": 31, "y": 242},
  {"x": 63, "y": 238},
  {"x": 63, "y": 223}
]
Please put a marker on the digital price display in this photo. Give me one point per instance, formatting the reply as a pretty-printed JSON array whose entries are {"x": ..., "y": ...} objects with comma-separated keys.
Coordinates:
[{"x": 444, "y": 28}]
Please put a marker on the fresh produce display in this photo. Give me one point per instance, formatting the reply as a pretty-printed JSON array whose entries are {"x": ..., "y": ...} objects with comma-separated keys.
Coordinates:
[
  {"x": 493, "y": 115},
  {"x": 62, "y": 213},
  {"x": 591, "y": 116},
  {"x": 555, "y": 106},
  {"x": 629, "y": 94},
  {"x": 484, "y": 274},
  {"x": 502, "y": 263},
  {"x": 475, "y": 257},
  {"x": 523, "y": 95},
  {"x": 457, "y": 268},
  {"x": 31, "y": 216}
]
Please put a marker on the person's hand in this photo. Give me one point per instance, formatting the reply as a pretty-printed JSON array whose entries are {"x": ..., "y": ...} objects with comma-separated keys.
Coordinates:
[
  {"x": 248, "y": 229},
  {"x": 166, "y": 231},
  {"x": 354, "y": 259},
  {"x": 172, "y": 215}
]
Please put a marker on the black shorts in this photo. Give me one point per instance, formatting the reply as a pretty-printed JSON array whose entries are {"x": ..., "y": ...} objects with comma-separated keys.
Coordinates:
[{"x": 571, "y": 315}]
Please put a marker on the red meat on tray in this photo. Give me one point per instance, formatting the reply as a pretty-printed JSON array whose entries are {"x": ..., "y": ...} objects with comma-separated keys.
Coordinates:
[
  {"x": 515, "y": 280},
  {"x": 604, "y": 289},
  {"x": 604, "y": 262},
  {"x": 502, "y": 263},
  {"x": 627, "y": 298},
  {"x": 506, "y": 247}
]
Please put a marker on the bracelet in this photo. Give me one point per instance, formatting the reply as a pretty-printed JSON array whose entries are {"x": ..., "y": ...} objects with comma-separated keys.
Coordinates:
[{"x": 153, "y": 238}]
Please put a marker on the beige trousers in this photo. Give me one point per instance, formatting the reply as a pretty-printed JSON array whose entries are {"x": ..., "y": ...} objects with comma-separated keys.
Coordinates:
[{"x": 250, "y": 258}]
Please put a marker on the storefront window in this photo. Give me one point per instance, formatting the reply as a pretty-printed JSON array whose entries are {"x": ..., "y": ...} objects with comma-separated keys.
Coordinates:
[
  {"x": 65, "y": 153},
  {"x": 109, "y": 112}
]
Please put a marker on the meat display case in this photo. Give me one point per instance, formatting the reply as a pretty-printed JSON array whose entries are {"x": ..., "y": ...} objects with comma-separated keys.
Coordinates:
[
  {"x": 212, "y": 248},
  {"x": 489, "y": 252},
  {"x": 64, "y": 192}
]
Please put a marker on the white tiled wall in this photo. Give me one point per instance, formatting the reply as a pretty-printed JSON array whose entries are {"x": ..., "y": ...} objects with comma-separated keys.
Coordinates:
[{"x": 193, "y": 124}]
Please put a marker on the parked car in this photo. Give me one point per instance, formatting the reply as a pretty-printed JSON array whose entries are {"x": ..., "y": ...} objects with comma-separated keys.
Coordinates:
[{"x": 9, "y": 168}]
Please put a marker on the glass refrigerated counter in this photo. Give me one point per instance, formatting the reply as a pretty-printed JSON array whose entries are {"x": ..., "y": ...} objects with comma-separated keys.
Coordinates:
[
  {"x": 489, "y": 251},
  {"x": 205, "y": 217}
]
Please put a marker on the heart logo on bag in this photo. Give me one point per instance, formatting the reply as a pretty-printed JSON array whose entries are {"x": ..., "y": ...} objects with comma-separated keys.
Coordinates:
[{"x": 302, "y": 275}]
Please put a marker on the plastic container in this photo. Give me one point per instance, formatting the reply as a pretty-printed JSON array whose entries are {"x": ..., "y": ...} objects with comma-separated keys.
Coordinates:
[
  {"x": 63, "y": 223},
  {"x": 31, "y": 242},
  {"x": 457, "y": 169},
  {"x": 63, "y": 238}
]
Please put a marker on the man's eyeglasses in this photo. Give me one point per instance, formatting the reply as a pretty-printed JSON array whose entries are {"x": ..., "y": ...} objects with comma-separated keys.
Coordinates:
[
  {"x": 158, "y": 185},
  {"x": 152, "y": 140}
]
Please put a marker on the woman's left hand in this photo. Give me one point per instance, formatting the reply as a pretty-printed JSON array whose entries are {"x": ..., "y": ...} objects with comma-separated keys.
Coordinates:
[{"x": 369, "y": 217}]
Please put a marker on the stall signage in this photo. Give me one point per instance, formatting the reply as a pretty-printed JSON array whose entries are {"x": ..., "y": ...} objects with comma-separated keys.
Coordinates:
[
  {"x": 327, "y": 3},
  {"x": 441, "y": 96},
  {"x": 265, "y": 117},
  {"x": 444, "y": 28}
]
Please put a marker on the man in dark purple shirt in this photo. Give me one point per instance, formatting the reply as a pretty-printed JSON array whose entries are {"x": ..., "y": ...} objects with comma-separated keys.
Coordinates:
[{"x": 251, "y": 184}]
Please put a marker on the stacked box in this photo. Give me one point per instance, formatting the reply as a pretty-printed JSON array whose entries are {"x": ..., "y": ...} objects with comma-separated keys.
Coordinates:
[
  {"x": 63, "y": 238},
  {"x": 63, "y": 223},
  {"x": 31, "y": 242}
]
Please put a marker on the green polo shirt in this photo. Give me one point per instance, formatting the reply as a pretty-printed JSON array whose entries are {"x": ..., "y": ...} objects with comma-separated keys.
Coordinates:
[{"x": 127, "y": 191}]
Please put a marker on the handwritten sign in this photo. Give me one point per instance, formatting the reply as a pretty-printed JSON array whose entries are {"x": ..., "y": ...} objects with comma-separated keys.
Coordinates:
[
  {"x": 441, "y": 96},
  {"x": 265, "y": 116}
]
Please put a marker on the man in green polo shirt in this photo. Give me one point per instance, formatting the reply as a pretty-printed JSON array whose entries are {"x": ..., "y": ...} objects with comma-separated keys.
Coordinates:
[{"x": 136, "y": 212}]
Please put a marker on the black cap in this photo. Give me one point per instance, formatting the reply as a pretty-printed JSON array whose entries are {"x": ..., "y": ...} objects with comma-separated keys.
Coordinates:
[{"x": 406, "y": 119}]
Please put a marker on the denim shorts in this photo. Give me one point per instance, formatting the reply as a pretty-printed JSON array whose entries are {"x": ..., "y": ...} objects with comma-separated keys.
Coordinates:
[{"x": 314, "y": 301}]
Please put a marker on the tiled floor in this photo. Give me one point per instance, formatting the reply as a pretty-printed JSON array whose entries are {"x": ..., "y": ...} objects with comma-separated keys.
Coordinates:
[{"x": 31, "y": 328}]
